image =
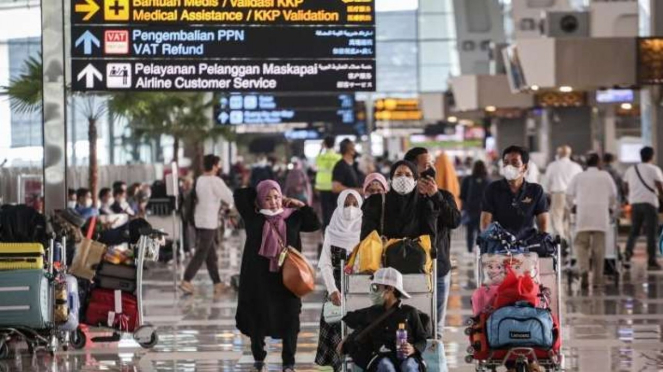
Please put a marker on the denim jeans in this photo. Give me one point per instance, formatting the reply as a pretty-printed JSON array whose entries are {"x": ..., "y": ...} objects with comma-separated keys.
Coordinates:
[
  {"x": 643, "y": 215},
  {"x": 443, "y": 287},
  {"x": 408, "y": 365}
]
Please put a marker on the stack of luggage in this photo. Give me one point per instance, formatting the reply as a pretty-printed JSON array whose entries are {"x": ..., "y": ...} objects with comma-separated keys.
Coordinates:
[{"x": 512, "y": 308}]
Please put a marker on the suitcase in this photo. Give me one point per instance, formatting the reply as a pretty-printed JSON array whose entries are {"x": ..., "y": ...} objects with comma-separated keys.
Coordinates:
[
  {"x": 111, "y": 276},
  {"x": 434, "y": 357},
  {"x": 25, "y": 299},
  {"x": 73, "y": 303},
  {"x": 102, "y": 304},
  {"x": 21, "y": 256}
]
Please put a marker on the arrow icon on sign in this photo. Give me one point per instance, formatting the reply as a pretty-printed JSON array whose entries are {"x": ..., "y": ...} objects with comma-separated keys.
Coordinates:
[
  {"x": 89, "y": 73},
  {"x": 223, "y": 117},
  {"x": 90, "y": 7},
  {"x": 87, "y": 39}
]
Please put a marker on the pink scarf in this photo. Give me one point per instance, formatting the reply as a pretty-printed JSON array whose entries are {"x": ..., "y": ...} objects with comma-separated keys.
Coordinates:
[{"x": 274, "y": 229}]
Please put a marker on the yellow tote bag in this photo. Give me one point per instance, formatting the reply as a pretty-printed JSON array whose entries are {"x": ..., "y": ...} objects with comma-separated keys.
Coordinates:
[{"x": 366, "y": 258}]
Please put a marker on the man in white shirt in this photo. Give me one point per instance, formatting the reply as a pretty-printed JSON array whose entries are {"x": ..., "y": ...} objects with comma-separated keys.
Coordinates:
[
  {"x": 210, "y": 191},
  {"x": 558, "y": 176},
  {"x": 641, "y": 183},
  {"x": 594, "y": 194}
]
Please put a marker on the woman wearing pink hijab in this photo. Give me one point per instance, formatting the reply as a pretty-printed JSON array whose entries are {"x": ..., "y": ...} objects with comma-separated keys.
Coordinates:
[
  {"x": 266, "y": 308},
  {"x": 375, "y": 183}
]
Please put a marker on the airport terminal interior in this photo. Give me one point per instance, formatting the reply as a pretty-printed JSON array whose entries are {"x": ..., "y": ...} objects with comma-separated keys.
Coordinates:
[{"x": 331, "y": 185}]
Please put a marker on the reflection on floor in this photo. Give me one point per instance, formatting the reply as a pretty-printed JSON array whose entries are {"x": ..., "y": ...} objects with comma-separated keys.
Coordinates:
[{"x": 616, "y": 328}]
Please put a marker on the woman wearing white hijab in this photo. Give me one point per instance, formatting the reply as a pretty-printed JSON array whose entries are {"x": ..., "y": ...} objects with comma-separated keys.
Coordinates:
[{"x": 341, "y": 236}]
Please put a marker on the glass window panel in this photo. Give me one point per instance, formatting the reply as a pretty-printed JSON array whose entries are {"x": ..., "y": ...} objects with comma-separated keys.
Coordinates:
[
  {"x": 434, "y": 77},
  {"x": 396, "y": 26},
  {"x": 435, "y": 6},
  {"x": 436, "y": 26},
  {"x": 397, "y": 66},
  {"x": 25, "y": 128},
  {"x": 436, "y": 52}
]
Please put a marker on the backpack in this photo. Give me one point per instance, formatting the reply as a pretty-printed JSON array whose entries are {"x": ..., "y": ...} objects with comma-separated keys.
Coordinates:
[
  {"x": 22, "y": 224},
  {"x": 409, "y": 256}
]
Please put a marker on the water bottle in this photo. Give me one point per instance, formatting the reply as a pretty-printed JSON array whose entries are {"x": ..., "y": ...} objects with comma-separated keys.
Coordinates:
[{"x": 401, "y": 341}]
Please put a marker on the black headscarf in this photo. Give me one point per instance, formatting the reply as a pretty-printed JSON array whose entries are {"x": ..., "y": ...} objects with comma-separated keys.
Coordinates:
[{"x": 401, "y": 210}]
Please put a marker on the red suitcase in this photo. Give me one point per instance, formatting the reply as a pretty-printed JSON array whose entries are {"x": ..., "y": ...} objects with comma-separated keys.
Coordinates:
[{"x": 102, "y": 302}]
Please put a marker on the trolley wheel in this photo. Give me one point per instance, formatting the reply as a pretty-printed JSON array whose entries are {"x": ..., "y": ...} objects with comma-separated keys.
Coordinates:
[
  {"x": 468, "y": 331},
  {"x": 469, "y": 359},
  {"x": 521, "y": 366},
  {"x": 78, "y": 339},
  {"x": 65, "y": 347},
  {"x": 4, "y": 350},
  {"x": 470, "y": 350},
  {"x": 470, "y": 322},
  {"x": 154, "y": 339}
]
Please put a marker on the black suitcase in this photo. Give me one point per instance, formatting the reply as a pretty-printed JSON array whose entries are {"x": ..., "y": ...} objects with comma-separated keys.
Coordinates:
[{"x": 112, "y": 276}]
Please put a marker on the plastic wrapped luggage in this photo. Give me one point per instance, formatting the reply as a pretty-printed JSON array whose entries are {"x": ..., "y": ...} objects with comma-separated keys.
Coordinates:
[
  {"x": 105, "y": 310},
  {"x": 111, "y": 276},
  {"x": 25, "y": 299},
  {"x": 21, "y": 256},
  {"x": 73, "y": 304}
]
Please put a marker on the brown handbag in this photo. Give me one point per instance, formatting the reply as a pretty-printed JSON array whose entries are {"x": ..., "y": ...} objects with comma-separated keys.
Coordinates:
[{"x": 298, "y": 274}]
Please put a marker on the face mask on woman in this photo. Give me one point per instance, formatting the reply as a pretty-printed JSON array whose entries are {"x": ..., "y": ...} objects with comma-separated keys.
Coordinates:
[
  {"x": 377, "y": 297},
  {"x": 271, "y": 213},
  {"x": 351, "y": 213},
  {"x": 403, "y": 185},
  {"x": 88, "y": 203},
  {"x": 511, "y": 173}
]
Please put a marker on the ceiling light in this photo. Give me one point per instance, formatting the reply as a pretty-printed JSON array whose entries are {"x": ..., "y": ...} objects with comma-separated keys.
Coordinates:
[
  {"x": 626, "y": 106},
  {"x": 534, "y": 88},
  {"x": 565, "y": 89},
  {"x": 491, "y": 108},
  {"x": 452, "y": 119}
]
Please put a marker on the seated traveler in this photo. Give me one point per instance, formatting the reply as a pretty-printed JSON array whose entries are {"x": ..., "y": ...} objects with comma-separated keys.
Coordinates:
[{"x": 373, "y": 344}]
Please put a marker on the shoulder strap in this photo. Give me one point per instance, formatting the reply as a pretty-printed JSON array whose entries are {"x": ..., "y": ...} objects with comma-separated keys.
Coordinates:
[
  {"x": 279, "y": 238},
  {"x": 376, "y": 323},
  {"x": 637, "y": 171},
  {"x": 382, "y": 215}
]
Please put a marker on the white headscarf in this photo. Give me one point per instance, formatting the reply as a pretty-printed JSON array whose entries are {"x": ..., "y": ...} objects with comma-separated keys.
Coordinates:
[{"x": 343, "y": 232}]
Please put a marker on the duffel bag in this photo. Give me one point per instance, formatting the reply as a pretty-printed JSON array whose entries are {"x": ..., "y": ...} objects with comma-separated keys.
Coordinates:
[
  {"x": 409, "y": 256},
  {"x": 520, "y": 325},
  {"x": 114, "y": 309},
  {"x": 540, "y": 243},
  {"x": 495, "y": 239},
  {"x": 111, "y": 276}
]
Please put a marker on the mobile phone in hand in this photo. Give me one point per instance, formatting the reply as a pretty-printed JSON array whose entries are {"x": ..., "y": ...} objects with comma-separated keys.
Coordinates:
[{"x": 430, "y": 172}]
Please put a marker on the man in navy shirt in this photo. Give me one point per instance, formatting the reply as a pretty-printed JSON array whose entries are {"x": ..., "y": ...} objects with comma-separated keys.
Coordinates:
[{"x": 513, "y": 202}]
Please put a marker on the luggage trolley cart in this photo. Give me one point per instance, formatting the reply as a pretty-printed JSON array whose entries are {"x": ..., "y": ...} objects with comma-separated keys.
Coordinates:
[
  {"x": 27, "y": 303},
  {"x": 613, "y": 256},
  {"x": 144, "y": 334},
  {"x": 421, "y": 287},
  {"x": 550, "y": 274}
]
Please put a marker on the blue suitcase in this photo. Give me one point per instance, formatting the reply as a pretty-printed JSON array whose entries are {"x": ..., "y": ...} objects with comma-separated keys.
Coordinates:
[{"x": 25, "y": 299}]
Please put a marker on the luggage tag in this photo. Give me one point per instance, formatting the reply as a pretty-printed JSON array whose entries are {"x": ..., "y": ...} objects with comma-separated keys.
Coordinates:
[{"x": 118, "y": 308}]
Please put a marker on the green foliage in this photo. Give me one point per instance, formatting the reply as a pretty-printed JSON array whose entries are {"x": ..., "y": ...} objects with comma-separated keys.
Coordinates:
[{"x": 25, "y": 90}]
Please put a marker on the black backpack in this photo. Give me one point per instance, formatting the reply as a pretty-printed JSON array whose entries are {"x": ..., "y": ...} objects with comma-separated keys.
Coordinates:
[
  {"x": 407, "y": 256},
  {"x": 22, "y": 224}
]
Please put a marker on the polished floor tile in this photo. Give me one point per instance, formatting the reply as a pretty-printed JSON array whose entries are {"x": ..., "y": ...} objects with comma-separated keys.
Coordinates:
[{"x": 614, "y": 328}]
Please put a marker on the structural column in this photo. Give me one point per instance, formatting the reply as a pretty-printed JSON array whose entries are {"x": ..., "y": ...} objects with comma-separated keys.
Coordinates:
[
  {"x": 54, "y": 106},
  {"x": 651, "y": 17}
]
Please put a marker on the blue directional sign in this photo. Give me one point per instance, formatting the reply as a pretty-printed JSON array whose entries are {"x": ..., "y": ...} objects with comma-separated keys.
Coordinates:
[{"x": 87, "y": 39}]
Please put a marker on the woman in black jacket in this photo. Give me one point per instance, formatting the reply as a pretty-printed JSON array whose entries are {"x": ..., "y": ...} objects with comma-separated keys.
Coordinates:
[
  {"x": 266, "y": 308},
  {"x": 407, "y": 212},
  {"x": 471, "y": 193}
]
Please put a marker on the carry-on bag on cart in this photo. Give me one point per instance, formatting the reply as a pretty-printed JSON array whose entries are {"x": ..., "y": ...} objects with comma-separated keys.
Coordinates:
[
  {"x": 73, "y": 305},
  {"x": 409, "y": 256},
  {"x": 495, "y": 239},
  {"x": 21, "y": 256},
  {"x": 88, "y": 255},
  {"x": 111, "y": 276},
  {"x": 25, "y": 299},
  {"x": 114, "y": 309},
  {"x": 433, "y": 356},
  {"x": 521, "y": 325}
]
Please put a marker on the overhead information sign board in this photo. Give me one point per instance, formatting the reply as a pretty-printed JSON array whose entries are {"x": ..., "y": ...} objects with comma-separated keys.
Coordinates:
[
  {"x": 252, "y": 109},
  {"x": 397, "y": 109},
  {"x": 202, "y": 45}
]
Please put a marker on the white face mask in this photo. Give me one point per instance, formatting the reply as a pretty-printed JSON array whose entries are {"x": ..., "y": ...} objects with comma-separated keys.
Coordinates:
[
  {"x": 271, "y": 213},
  {"x": 511, "y": 173},
  {"x": 351, "y": 213},
  {"x": 71, "y": 204},
  {"x": 88, "y": 203},
  {"x": 377, "y": 298},
  {"x": 403, "y": 185}
]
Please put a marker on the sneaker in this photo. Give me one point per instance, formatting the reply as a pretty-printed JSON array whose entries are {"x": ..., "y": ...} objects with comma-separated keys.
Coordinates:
[
  {"x": 289, "y": 369},
  {"x": 262, "y": 368},
  {"x": 187, "y": 287},
  {"x": 219, "y": 288},
  {"x": 653, "y": 266}
]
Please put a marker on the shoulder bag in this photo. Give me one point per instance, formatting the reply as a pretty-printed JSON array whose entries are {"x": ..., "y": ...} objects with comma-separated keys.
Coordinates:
[{"x": 298, "y": 274}]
